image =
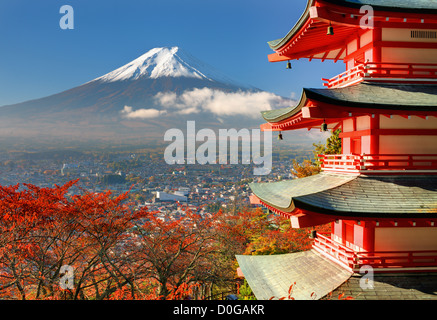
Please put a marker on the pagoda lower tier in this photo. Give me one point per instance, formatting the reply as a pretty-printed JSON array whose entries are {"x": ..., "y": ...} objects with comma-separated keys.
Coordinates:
[{"x": 386, "y": 222}]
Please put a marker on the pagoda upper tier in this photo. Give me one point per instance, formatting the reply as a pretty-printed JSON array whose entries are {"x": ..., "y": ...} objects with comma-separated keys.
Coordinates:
[
  {"x": 365, "y": 99},
  {"x": 391, "y": 32},
  {"x": 385, "y": 103}
]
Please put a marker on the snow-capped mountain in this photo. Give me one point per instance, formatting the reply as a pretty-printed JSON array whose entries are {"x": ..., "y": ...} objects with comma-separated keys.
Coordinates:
[
  {"x": 161, "y": 89},
  {"x": 165, "y": 62}
]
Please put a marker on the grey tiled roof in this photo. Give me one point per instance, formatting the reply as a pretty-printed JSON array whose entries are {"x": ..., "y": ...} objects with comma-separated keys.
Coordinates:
[
  {"x": 392, "y": 5},
  {"x": 366, "y": 95},
  {"x": 281, "y": 194},
  {"x": 354, "y": 196},
  {"x": 271, "y": 276},
  {"x": 389, "y": 96},
  {"x": 390, "y": 287}
]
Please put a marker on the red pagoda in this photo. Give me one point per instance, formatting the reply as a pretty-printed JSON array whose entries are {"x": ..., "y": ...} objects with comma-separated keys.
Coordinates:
[{"x": 380, "y": 194}]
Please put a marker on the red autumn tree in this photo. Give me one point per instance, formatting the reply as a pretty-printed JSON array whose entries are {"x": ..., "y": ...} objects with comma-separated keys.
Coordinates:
[
  {"x": 177, "y": 253},
  {"x": 41, "y": 230},
  {"x": 119, "y": 252},
  {"x": 24, "y": 215},
  {"x": 266, "y": 233},
  {"x": 114, "y": 249}
]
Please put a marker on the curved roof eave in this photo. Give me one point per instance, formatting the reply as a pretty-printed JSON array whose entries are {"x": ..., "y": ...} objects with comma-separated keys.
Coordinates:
[
  {"x": 347, "y": 195},
  {"x": 277, "y": 115},
  {"x": 410, "y": 6},
  {"x": 276, "y": 44},
  {"x": 408, "y": 97},
  {"x": 281, "y": 194}
]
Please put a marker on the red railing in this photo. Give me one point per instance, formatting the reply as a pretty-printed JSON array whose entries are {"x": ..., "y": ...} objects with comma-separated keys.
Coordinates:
[
  {"x": 397, "y": 259},
  {"x": 372, "y": 162},
  {"x": 348, "y": 77},
  {"x": 410, "y": 71},
  {"x": 334, "y": 250},
  {"x": 384, "y": 72},
  {"x": 340, "y": 162},
  {"x": 380, "y": 261}
]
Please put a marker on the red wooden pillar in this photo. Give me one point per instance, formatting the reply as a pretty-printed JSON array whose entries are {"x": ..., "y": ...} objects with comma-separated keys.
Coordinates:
[
  {"x": 375, "y": 119},
  {"x": 343, "y": 232},
  {"x": 354, "y": 234},
  {"x": 377, "y": 50},
  {"x": 369, "y": 237},
  {"x": 351, "y": 139},
  {"x": 339, "y": 230},
  {"x": 374, "y": 138}
]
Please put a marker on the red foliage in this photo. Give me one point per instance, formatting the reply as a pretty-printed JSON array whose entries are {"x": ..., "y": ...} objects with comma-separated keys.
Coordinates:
[
  {"x": 273, "y": 234},
  {"x": 118, "y": 252},
  {"x": 41, "y": 229},
  {"x": 115, "y": 251}
]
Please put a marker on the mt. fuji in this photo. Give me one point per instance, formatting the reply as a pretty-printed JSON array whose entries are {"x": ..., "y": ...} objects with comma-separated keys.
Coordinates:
[
  {"x": 165, "y": 62},
  {"x": 162, "y": 89}
]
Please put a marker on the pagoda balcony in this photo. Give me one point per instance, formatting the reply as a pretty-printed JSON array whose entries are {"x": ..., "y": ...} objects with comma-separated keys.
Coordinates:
[
  {"x": 384, "y": 72},
  {"x": 379, "y": 163},
  {"x": 380, "y": 261}
]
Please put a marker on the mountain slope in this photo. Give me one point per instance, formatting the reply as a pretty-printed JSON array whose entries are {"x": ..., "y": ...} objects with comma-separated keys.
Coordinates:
[
  {"x": 159, "y": 70},
  {"x": 95, "y": 109}
]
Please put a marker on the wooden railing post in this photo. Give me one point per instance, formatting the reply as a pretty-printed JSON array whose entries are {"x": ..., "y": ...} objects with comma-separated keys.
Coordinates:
[
  {"x": 374, "y": 162},
  {"x": 377, "y": 71}
]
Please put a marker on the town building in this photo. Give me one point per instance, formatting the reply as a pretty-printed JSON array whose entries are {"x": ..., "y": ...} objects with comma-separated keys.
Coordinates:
[{"x": 176, "y": 196}]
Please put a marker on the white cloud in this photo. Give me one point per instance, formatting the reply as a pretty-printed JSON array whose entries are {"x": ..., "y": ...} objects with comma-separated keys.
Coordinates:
[
  {"x": 212, "y": 100},
  {"x": 141, "y": 113},
  {"x": 222, "y": 103},
  {"x": 316, "y": 134}
]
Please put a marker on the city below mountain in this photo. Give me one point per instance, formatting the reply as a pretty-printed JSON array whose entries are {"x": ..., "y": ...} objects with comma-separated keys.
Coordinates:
[{"x": 138, "y": 102}]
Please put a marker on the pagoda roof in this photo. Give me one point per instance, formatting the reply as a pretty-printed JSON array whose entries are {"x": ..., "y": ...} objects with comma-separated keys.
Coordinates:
[
  {"x": 316, "y": 276},
  {"x": 270, "y": 276},
  {"x": 307, "y": 38},
  {"x": 358, "y": 196},
  {"x": 364, "y": 96},
  {"x": 391, "y": 5}
]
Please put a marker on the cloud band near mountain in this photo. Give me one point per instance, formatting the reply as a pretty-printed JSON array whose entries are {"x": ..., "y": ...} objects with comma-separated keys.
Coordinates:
[
  {"x": 129, "y": 113},
  {"x": 211, "y": 100}
]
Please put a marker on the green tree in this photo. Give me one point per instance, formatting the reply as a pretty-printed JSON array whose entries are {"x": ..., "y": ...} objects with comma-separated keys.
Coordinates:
[
  {"x": 246, "y": 292},
  {"x": 308, "y": 167},
  {"x": 332, "y": 146}
]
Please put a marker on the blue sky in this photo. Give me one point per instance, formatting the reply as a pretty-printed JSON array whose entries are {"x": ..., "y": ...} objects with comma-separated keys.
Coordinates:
[{"x": 38, "y": 58}]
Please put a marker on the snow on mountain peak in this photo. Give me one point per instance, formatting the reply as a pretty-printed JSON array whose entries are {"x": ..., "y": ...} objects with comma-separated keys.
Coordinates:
[{"x": 164, "y": 62}]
